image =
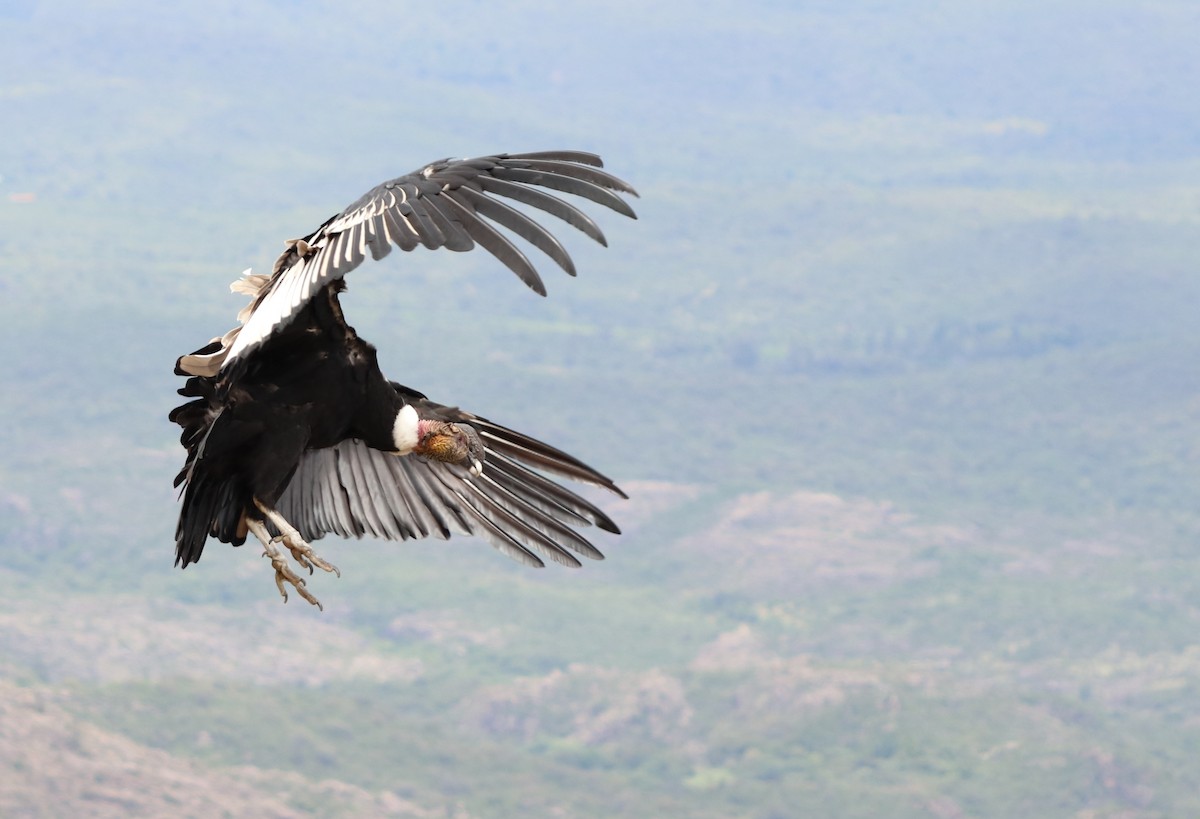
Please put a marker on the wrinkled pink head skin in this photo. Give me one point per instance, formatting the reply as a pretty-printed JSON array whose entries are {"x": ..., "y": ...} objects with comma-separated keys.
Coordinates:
[{"x": 438, "y": 440}]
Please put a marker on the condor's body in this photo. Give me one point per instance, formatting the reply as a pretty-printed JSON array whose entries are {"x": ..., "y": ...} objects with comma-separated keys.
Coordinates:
[
  {"x": 294, "y": 432},
  {"x": 316, "y": 384}
]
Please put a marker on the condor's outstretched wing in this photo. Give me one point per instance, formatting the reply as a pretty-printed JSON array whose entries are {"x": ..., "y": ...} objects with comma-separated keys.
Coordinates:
[
  {"x": 352, "y": 490},
  {"x": 451, "y": 203}
]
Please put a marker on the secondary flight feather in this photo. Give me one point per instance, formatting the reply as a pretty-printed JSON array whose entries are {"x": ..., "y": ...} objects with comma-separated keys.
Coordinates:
[{"x": 293, "y": 432}]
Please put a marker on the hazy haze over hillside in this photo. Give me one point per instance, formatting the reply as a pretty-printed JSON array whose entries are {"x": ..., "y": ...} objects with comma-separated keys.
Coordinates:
[{"x": 898, "y": 362}]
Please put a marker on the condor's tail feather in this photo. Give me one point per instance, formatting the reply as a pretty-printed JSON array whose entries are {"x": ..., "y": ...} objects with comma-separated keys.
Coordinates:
[
  {"x": 209, "y": 508},
  {"x": 212, "y": 504}
]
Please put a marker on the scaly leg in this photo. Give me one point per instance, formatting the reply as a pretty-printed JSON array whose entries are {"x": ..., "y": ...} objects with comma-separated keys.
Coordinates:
[
  {"x": 301, "y": 551},
  {"x": 283, "y": 572}
]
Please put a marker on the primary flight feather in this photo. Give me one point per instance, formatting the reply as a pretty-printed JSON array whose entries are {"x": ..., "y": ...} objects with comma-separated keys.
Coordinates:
[{"x": 294, "y": 432}]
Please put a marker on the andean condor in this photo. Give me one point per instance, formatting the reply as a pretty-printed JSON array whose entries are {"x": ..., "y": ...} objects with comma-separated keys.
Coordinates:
[{"x": 294, "y": 432}]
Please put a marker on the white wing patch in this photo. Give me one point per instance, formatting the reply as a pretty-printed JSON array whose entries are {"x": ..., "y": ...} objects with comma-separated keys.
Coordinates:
[
  {"x": 296, "y": 286},
  {"x": 251, "y": 284}
]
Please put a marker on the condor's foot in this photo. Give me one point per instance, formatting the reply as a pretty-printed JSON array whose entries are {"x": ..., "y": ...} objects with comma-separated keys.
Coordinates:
[
  {"x": 283, "y": 572},
  {"x": 302, "y": 552}
]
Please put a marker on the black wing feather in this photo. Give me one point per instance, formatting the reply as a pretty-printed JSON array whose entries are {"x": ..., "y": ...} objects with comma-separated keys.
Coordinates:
[
  {"x": 533, "y": 197},
  {"x": 519, "y": 224},
  {"x": 566, "y": 184},
  {"x": 491, "y": 239}
]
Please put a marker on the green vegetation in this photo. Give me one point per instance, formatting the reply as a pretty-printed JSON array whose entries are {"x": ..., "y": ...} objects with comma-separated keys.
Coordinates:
[{"x": 898, "y": 365}]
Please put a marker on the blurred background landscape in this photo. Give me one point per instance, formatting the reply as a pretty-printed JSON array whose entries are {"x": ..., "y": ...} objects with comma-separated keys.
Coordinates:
[{"x": 898, "y": 367}]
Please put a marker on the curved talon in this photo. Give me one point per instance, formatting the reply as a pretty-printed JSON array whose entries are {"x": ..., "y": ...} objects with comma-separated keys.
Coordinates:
[
  {"x": 304, "y": 564},
  {"x": 298, "y": 583},
  {"x": 317, "y": 560},
  {"x": 279, "y": 585}
]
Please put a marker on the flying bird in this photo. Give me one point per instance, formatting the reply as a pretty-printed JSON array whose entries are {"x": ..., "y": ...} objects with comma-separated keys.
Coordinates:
[{"x": 293, "y": 432}]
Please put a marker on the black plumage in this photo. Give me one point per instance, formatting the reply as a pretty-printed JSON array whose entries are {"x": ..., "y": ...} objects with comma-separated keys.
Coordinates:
[{"x": 294, "y": 432}]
